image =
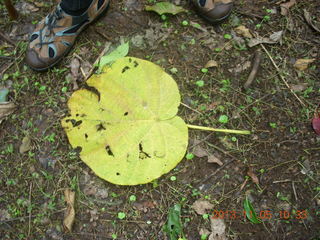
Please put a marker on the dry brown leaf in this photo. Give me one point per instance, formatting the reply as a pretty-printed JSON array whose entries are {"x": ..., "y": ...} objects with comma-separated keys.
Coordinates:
[
  {"x": 218, "y": 229},
  {"x": 6, "y": 108},
  {"x": 272, "y": 39},
  {"x": 299, "y": 87},
  {"x": 70, "y": 213},
  {"x": 201, "y": 206},
  {"x": 286, "y": 6},
  {"x": 214, "y": 159},
  {"x": 254, "y": 177},
  {"x": 211, "y": 63},
  {"x": 25, "y": 145},
  {"x": 199, "y": 151},
  {"x": 243, "y": 31},
  {"x": 302, "y": 64}
]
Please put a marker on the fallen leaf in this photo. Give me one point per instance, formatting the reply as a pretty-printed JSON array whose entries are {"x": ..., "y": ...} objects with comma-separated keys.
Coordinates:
[
  {"x": 111, "y": 154},
  {"x": 214, "y": 159},
  {"x": 272, "y": 39},
  {"x": 218, "y": 229},
  {"x": 316, "y": 124},
  {"x": 299, "y": 87},
  {"x": 211, "y": 63},
  {"x": 201, "y": 206},
  {"x": 243, "y": 31},
  {"x": 25, "y": 7},
  {"x": 25, "y": 145},
  {"x": 173, "y": 226},
  {"x": 119, "y": 52},
  {"x": 204, "y": 231},
  {"x": 199, "y": 151},
  {"x": 6, "y": 108},
  {"x": 164, "y": 8},
  {"x": 75, "y": 66},
  {"x": 308, "y": 18},
  {"x": 251, "y": 174},
  {"x": 302, "y": 64},
  {"x": 286, "y": 6},
  {"x": 69, "y": 197}
]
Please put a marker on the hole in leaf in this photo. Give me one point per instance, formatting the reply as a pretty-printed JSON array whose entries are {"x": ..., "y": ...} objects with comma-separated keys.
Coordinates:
[
  {"x": 118, "y": 174},
  {"x": 108, "y": 149},
  {"x": 78, "y": 150},
  {"x": 86, "y": 135},
  {"x": 142, "y": 154},
  {"x": 125, "y": 69},
  {"x": 74, "y": 122},
  {"x": 125, "y": 114},
  {"x": 77, "y": 115},
  {"x": 100, "y": 127},
  {"x": 136, "y": 64}
]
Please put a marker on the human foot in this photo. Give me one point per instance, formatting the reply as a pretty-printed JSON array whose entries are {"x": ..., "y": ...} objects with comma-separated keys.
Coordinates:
[{"x": 55, "y": 35}]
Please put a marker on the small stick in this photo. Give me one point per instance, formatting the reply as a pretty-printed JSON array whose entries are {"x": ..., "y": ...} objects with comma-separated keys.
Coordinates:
[
  {"x": 106, "y": 48},
  {"x": 254, "y": 71},
  {"x": 187, "y": 106},
  {"x": 30, "y": 192},
  {"x": 6, "y": 38},
  {"x": 218, "y": 129},
  {"x": 282, "y": 78},
  {"x": 294, "y": 191}
]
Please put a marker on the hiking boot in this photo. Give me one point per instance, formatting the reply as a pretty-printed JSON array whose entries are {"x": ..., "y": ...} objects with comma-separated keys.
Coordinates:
[
  {"x": 214, "y": 10},
  {"x": 55, "y": 35}
]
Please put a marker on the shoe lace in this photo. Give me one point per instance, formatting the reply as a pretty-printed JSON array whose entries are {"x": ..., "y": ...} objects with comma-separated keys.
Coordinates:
[{"x": 51, "y": 24}]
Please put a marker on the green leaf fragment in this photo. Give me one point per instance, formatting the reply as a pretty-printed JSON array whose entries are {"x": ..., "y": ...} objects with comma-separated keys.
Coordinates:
[
  {"x": 120, "y": 52},
  {"x": 173, "y": 227},
  {"x": 164, "y": 8},
  {"x": 250, "y": 212}
]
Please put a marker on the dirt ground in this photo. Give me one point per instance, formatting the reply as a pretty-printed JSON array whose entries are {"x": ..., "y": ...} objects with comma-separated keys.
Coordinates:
[{"x": 276, "y": 167}]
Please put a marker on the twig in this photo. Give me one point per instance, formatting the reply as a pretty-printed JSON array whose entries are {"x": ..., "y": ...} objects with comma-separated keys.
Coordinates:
[
  {"x": 6, "y": 38},
  {"x": 282, "y": 181},
  {"x": 106, "y": 48},
  {"x": 294, "y": 191},
  {"x": 30, "y": 192},
  {"x": 187, "y": 106},
  {"x": 6, "y": 68},
  {"x": 250, "y": 15},
  {"x": 282, "y": 78},
  {"x": 254, "y": 71}
]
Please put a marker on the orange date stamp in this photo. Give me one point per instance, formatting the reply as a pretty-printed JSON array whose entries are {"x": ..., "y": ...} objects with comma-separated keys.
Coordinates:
[{"x": 263, "y": 214}]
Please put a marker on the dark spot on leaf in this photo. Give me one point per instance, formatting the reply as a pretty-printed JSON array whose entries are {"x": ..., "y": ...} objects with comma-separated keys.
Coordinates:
[
  {"x": 142, "y": 154},
  {"x": 102, "y": 109},
  {"x": 125, "y": 114},
  {"x": 130, "y": 60},
  {"x": 94, "y": 91},
  {"x": 100, "y": 127},
  {"x": 108, "y": 149},
  {"x": 136, "y": 64},
  {"x": 118, "y": 174},
  {"x": 128, "y": 155},
  {"x": 77, "y": 115},
  {"x": 83, "y": 115},
  {"x": 74, "y": 122},
  {"x": 125, "y": 69},
  {"x": 86, "y": 135}
]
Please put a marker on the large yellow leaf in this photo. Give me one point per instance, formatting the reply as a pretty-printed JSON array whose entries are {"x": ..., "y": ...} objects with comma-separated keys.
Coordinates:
[{"x": 128, "y": 130}]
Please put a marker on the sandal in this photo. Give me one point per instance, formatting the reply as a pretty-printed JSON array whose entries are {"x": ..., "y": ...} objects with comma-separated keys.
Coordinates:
[
  {"x": 214, "y": 10},
  {"x": 55, "y": 35}
]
